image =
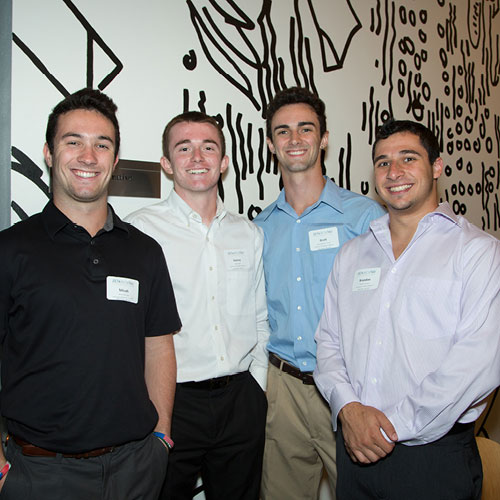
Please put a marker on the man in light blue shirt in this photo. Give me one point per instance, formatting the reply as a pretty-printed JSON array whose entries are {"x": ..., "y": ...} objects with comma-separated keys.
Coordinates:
[
  {"x": 408, "y": 343},
  {"x": 303, "y": 230}
]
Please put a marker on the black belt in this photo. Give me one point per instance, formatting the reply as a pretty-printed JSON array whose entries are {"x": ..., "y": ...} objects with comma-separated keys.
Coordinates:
[
  {"x": 306, "y": 377},
  {"x": 458, "y": 428},
  {"x": 214, "y": 383}
]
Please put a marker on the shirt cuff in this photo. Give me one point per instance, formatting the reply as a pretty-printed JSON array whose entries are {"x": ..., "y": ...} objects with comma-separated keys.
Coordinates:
[{"x": 342, "y": 395}]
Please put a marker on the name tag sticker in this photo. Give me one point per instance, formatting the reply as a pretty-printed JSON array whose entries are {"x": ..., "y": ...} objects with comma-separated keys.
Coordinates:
[
  {"x": 236, "y": 259},
  {"x": 125, "y": 289},
  {"x": 321, "y": 239},
  {"x": 366, "y": 279}
]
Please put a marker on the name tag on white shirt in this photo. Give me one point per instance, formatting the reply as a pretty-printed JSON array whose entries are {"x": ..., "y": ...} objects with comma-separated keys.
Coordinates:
[
  {"x": 366, "y": 279},
  {"x": 321, "y": 239},
  {"x": 236, "y": 259},
  {"x": 118, "y": 288}
]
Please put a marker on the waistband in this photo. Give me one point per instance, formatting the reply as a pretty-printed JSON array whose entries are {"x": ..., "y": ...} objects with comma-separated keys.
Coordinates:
[
  {"x": 214, "y": 383},
  {"x": 306, "y": 377}
]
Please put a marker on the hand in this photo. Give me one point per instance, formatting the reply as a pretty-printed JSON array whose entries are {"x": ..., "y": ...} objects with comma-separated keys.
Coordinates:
[{"x": 363, "y": 439}]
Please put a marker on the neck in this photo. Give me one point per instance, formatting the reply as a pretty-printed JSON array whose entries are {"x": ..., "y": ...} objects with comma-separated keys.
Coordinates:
[
  {"x": 303, "y": 189},
  {"x": 91, "y": 216},
  {"x": 403, "y": 226},
  {"x": 204, "y": 203}
]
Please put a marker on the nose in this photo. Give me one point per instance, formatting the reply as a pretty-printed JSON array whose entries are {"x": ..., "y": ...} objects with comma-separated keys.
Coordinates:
[
  {"x": 197, "y": 156},
  {"x": 294, "y": 136},
  {"x": 88, "y": 156},
  {"x": 394, "y": 171}
]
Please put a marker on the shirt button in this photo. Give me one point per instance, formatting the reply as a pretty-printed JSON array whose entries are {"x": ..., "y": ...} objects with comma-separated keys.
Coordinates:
[
  {"x": 297, "y": 249},
  {"x": 379, "y": 342},
  {"x": 304, "y": 363},
  {"x": 92, "y": 242},
  {"x": 393, "y": 270},
  {"x": 210, "y": 268},
  {"x": 222, "y": 358},
  {"x": 299, "y": 308},
  {"x": 298, "y": 221},
  {"x": 374, "y": 380},
  {"x": 96, "y": 261},
  {"x": 387, "y": 305},
  {"x": 213, "y": 297},
  {"x": 299, "y": 338},
  {"x": 216, "y": 327},
  {"x": 299, "y": 278}
]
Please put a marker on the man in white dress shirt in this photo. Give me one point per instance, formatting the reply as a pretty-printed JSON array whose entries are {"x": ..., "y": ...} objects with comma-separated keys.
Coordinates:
[
  {"x": 215, "y": 262},
  {"x": 409, "y": 344}
]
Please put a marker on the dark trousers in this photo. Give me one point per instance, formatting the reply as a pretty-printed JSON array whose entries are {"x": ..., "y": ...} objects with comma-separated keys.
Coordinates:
[
  {"x": 447, "y": 469},
  {"x": 218, "y": 433},
  {"x": 134, "y": 471}
]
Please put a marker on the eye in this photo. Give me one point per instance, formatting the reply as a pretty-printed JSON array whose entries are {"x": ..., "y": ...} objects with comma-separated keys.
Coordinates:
[
  {"x": 102, "y": 146},
  {"x": 408, "y": 159},
  {"x": 383, "y": 163},
  {"x": 282, "y": 132},
  {"x": 307, "y": 129}
]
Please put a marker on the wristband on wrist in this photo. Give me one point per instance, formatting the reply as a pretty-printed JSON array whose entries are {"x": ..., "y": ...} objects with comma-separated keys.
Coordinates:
[
  {"x": 163, "y": 437},
  {"x": 5, "y": 469}
]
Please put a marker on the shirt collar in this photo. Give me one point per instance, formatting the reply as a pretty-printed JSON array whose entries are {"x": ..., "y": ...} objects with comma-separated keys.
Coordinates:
[
  {"x": 188, "y": 214},
  {"x": 330, "y": 196},
  {"x": 55, "y": 220}
]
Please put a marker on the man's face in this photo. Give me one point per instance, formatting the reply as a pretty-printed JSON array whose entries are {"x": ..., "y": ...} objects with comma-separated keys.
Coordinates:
[
  {"x": 404, "y": 177},
  {"x": 296, "y": 139},
  {"x": 195, "y": 158},
  {"x": 83, "y": 158}
]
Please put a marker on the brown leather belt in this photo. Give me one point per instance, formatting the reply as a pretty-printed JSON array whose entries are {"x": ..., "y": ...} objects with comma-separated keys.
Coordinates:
[
  {"x": 306, "y": 377},
  {"x": 30, "y": 450}
]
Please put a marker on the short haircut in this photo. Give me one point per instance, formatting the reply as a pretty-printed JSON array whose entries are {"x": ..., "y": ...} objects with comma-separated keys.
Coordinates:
[
  {"x": 196, "y": 117},
  {"x": 89, "y": 99},
  {"x": 427, "y": 138},
  {"x": 295, "y": 95}
]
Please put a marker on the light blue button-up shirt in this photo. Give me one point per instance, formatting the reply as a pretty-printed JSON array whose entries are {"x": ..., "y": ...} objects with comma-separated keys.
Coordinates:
[{"x": 298, "y": 257}]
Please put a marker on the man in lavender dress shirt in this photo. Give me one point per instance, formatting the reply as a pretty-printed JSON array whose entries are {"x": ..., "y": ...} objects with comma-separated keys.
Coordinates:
[{"x": 408, "y": 343}]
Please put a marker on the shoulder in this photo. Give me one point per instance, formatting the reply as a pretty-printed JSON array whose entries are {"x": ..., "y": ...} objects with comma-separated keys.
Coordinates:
[
  {"x": 241, "y": 223},
  {"x": 266, "y": 215},
  {"x": 25, "y": 229},
  {"x": 147, "y": 213}
]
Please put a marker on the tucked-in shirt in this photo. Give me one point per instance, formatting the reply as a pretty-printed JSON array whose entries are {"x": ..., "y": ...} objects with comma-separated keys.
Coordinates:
[
  {"x": 218, "y": 281},
  {"x": 416, "y": 337},
  {"x": 74, "y": 314},
  {"x": 298, "y": 257}
]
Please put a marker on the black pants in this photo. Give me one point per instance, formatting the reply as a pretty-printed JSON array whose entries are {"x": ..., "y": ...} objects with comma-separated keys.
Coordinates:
[
  {"x": 218, "y": 433},
  {"x": 134, "y": 471},
  {"x": 447, "y": 469}
]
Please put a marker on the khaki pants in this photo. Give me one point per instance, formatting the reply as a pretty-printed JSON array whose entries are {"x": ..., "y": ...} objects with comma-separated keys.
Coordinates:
[{"x": 300, "y": 441}]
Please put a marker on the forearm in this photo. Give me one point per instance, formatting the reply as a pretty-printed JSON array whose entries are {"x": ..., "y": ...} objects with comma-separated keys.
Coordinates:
[{"x": 161, "y": 376}]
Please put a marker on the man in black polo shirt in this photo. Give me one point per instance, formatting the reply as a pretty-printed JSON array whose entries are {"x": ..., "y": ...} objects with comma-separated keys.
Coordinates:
[{"x": 86, "y": 308}]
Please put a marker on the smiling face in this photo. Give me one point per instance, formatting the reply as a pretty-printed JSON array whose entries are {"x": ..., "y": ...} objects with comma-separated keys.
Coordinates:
[
  {"x": 196, "y": 160},
  {"x": 296, "y": 139},
  {"x": 83, "y": 158},
  {"x": 404, "y": 177}
]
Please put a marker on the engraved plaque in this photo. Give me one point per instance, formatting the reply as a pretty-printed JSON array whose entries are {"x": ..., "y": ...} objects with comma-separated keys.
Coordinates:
[{"x": 136, "y": 178}]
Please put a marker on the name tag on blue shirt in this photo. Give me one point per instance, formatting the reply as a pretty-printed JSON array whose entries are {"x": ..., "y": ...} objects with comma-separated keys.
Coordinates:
[
  {"x": 366, "y": 279},
  {"x": 118, "y": 288},
  {"x": 321, "y": 239}
]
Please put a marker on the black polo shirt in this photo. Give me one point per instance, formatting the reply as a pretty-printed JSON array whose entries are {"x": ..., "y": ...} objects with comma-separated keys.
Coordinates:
[{"x": 72, "y": 337}]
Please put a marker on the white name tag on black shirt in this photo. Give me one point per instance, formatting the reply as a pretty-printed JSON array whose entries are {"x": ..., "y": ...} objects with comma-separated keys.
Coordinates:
[{"x": 126, "y": 289}]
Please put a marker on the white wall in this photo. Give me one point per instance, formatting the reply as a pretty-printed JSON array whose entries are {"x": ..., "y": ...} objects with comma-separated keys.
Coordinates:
[{"x": 436, "y": 61}]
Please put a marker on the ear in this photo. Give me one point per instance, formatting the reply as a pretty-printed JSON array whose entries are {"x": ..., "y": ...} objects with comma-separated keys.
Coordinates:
[
  {"x": 47, "y": 155},
  {"x": 437, "y": 168},
  {"x": 165, "y": 165},
  {"x": 224, "y": 164},
  {"x": 270, "y": 145},
  {"x": 324, "y": 140},
  {"x": 115, "y": 163}
]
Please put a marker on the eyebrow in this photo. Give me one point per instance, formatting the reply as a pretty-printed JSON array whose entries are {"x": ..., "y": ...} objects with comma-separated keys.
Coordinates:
[
  {"x": 402, "y": 152},
  {"x": 300, "y": 124},
  {"x": 188, "y": 141},
  {"x": 80, "y": 136}
]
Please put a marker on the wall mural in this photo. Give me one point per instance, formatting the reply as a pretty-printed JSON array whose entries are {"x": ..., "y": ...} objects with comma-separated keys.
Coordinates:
[{"x": 434, "y": 61}]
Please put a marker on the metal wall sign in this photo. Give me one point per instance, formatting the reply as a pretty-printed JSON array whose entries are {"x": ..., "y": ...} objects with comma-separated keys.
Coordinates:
[{"x": 136, "y": 178}]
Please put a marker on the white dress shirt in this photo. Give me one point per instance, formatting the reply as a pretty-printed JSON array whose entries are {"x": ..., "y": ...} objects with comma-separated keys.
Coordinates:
[
  {"x": 219, "y": 287},
  {"x": 417, "y": 337}
]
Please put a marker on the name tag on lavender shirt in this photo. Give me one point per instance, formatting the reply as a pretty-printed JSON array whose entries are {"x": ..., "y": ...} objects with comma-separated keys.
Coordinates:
[
  {"x": 321, "y": 239},
  {"x": 118, "y": 288},
  {"x": 366, "y": 279}
]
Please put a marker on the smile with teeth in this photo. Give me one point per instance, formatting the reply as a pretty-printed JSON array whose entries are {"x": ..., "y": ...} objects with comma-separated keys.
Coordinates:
[
  {"x": 198, "y": 171},
  {"x": 297, "y": 152},
  {"x": 397, "y": 189},
  {"x": 85, "y": 174}
]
